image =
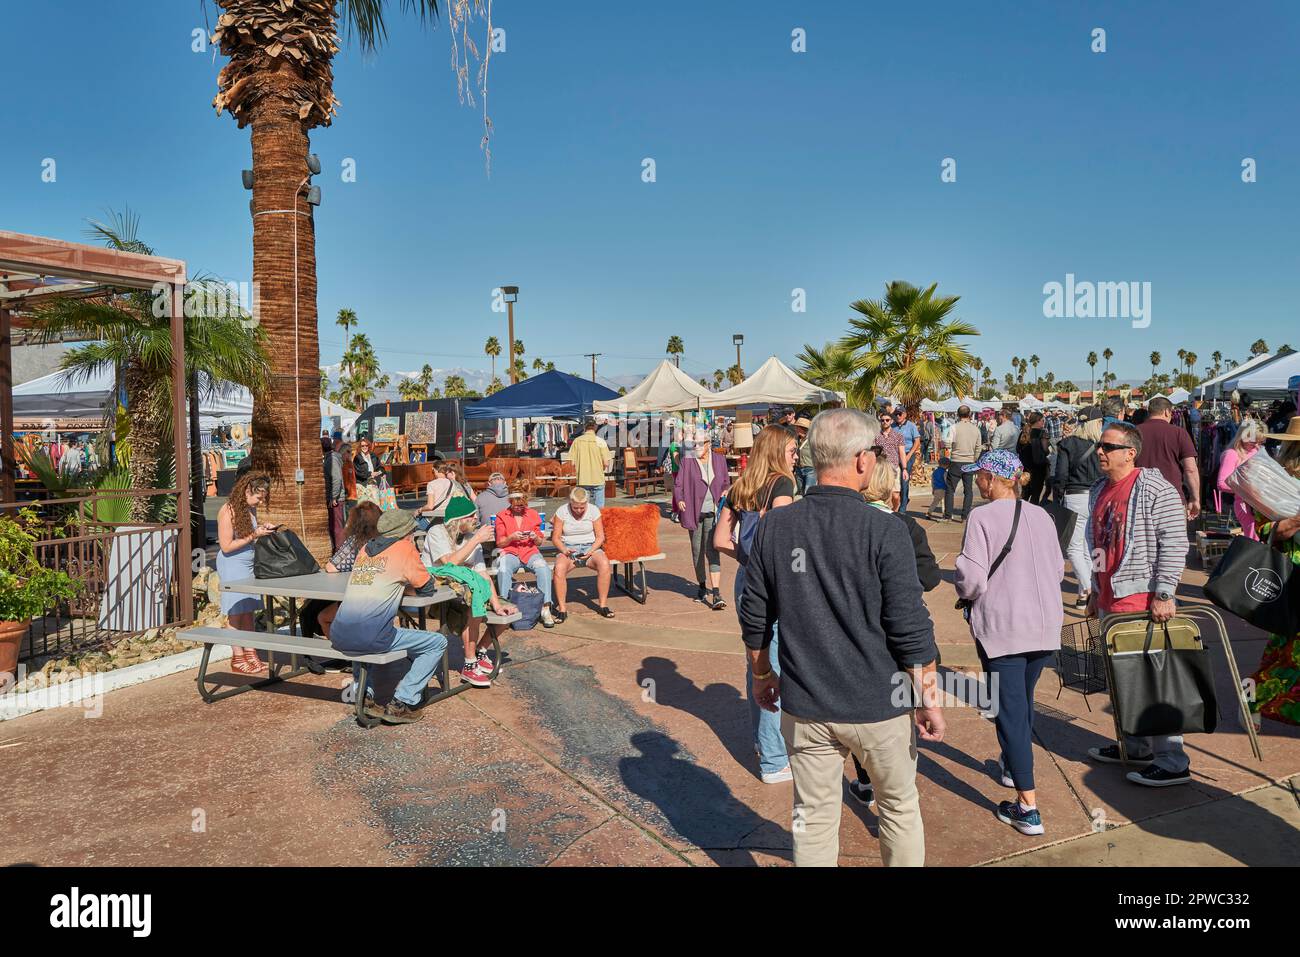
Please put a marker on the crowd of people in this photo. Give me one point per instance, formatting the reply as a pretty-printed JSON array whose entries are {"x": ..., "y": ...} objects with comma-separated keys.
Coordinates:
[{"x": 831, "y": 573}]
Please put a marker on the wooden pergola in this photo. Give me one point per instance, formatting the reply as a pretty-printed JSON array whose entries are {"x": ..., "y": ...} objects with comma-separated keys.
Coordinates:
[{"x": 33, "y": 270}]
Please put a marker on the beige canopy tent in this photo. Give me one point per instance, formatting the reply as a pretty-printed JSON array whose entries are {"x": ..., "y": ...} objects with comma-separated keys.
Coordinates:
[
  {"x": 666, "y": 389},
  {"x": 774, "y": 383}
]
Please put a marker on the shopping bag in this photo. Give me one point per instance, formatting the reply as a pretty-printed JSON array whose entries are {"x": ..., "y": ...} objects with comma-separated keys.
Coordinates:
[
  {"x": 528, "y": 599},
  {"x": 368, "y": 493},
  {"x": 387, "y": 497},
  {"x": 1064, "y": 519},
  {"x": 1161, "y": 688},
  {"x": 1257, "y": 582},
  {"x": 282, "y": 555}
]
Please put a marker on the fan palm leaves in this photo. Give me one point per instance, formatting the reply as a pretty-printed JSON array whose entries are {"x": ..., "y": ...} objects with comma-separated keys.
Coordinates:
[
  {"x": 908, "y": 344},
  {"x": 835, "y": 366}
]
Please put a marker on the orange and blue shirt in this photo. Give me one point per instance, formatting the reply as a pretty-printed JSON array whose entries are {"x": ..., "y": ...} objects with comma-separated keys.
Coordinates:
[{"x": 374, "y": 594}]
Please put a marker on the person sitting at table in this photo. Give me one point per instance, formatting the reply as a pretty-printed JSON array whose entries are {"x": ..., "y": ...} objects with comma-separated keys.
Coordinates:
[
  {"x": 458, "y": 541},
  {"x": 494, "y": 499},
  {"x": 448, "y": 483},
  {"x": 580, "y": 537},
  {"x": 317, "y": 614},
  {"x": 518, "y": 535}
]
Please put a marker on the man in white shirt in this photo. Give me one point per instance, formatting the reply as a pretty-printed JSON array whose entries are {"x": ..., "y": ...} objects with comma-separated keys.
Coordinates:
[{"x": 1007, "y": 432}]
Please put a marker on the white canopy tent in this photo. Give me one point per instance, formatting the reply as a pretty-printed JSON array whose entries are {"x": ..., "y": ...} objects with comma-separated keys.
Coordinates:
[
  {"x": 774, "y": 383},
  {"x": 1175, "y": 396},
  {"x": 1213, "y": 388},
  {"x": 666, "y": 389},
  {"x": 1268, "y": 380}
]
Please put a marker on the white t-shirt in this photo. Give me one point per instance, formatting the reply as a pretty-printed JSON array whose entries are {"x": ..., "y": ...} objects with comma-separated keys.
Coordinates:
[
  {"x": 437, "y": 543},
  {"x": 578, "y": 531}
]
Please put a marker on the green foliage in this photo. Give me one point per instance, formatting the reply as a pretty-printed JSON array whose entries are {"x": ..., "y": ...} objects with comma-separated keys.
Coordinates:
[{"x": 26, "y": 587}]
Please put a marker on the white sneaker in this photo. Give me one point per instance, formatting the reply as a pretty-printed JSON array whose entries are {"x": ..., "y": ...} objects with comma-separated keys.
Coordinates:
[
  {"x": 777, "y": 777},
  {"x": 546, "y": 619}
]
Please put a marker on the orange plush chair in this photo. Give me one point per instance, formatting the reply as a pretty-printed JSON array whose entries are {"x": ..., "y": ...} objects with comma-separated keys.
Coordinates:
[{"x": 631, "y": 533}]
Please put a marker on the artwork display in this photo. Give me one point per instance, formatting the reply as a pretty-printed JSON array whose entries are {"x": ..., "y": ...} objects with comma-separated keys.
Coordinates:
[
  {"x": 422, "y": 427},
  {"x": 387, "y": 428}
]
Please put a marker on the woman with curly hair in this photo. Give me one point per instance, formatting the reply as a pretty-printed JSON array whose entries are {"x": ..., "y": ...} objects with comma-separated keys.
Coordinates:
[{"x": 237, "y": 530}]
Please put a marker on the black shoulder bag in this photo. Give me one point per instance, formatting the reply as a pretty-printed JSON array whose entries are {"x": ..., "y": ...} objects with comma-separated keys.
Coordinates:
[{"x": 964, "y": 604}]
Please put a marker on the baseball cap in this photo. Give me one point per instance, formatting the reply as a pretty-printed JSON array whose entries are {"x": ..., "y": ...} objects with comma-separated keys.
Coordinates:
[{"x": 1002, "y": 462}]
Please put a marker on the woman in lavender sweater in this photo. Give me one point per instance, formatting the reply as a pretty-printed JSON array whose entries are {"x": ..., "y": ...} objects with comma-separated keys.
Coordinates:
[{"x": 1015, "y": 616}]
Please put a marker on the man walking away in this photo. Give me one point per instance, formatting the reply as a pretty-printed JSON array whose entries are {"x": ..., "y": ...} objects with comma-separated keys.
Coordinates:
[
  {"x": 856, "y": 644},
  {"x": 1007, "y": 433},
  {"x": 911, "y": 453},
  {"x": 965, "y": 449},
  {"x": 1137, "y": 535},
  {"x": 591, "y": 457},
  {"x": 804, "y": 473},
  {"x": 1168, "y": 448}
]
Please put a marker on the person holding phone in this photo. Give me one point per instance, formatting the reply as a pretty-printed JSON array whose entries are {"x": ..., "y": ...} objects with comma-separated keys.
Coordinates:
[
  {"x": 580, "y": 537},
  {"x": 518, "y": 533},
  {"x": 237, "y": 530}
]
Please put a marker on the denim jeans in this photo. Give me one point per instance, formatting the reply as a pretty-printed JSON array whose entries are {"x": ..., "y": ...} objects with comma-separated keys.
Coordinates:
[
  {"x": 1166, "y": 750},
  {"x": 596, "y": 494},
  {"x": 1077, "y": 502},
  {"x": 904, "y": 491},
  {"x": 423, "y": 648},
  {"x": 1014, "y": 720},
  {"x": 807, "y": 478},
  {"x": 765, "y": 724},
  {"x": 508, "y": 564}
]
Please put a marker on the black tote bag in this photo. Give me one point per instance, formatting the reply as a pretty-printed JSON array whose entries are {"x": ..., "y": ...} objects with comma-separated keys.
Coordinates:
[
  {"x": 1256, "y": 582},
  {"x": 282, "y": 555},
  {"x": 1064, "y": 520},
  {"x": 1164, "y": 690}
]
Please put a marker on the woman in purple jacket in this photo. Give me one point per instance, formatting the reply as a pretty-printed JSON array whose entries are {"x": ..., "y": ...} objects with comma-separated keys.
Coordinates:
[
  {"x": 1015, "y": 615},
  {"x": 702, "y": 480}
]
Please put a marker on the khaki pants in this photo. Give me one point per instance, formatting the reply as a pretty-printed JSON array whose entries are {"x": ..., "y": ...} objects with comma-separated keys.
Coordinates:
[{"x": 887, "y": 749}]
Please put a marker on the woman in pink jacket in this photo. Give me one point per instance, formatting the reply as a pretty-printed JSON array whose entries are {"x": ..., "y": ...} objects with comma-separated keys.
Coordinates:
[{"x": 1243, "y": 447}]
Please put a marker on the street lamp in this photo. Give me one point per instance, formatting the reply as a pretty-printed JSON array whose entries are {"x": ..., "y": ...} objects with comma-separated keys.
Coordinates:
[
  {"x": 739, "y": 341},
  {"x": 511, "y": 294}
]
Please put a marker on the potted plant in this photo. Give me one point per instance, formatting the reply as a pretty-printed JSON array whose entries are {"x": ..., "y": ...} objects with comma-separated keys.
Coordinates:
[{"x": 26, "y": 587}]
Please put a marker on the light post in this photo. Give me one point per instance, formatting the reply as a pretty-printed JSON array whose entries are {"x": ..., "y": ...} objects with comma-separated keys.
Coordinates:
[
  {"x": 739, "y": 340},
  {"x": 511, "y": 294}
]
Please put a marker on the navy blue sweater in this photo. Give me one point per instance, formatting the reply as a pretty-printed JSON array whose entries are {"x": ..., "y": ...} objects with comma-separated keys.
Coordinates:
[{"x": 841, "y": 578}]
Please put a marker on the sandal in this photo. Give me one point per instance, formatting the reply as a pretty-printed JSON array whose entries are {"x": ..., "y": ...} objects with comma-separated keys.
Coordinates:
[
  {"x": 559, "y": 616},
  {"x": 604, "y": 613},
  {"x": 246, "y": 662}
]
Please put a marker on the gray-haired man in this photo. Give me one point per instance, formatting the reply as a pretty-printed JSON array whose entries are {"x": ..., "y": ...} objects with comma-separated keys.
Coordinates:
[{"x": 856, "y": 643}]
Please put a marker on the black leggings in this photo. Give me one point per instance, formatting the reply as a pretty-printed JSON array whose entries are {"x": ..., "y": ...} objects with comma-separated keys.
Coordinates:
[{"x": 1037, "y": 481}]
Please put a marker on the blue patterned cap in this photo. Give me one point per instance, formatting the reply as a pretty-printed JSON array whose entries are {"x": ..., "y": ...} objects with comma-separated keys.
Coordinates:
[{"x": 1001, "y": 462}]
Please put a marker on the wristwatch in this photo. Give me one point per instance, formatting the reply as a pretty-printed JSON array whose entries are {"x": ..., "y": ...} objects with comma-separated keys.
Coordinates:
[{"x": 1164, "y": 596}]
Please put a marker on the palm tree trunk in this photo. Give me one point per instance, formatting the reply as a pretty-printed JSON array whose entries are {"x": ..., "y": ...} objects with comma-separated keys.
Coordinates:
[
  {"x": 286, "y": 420},
  {"x": 146, "y": 437}
]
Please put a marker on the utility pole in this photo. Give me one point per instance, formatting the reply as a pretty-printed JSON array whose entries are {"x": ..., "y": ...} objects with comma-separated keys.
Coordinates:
[
  {"x": 592, "y": 356},
  {"x": 510, "y": 294}
]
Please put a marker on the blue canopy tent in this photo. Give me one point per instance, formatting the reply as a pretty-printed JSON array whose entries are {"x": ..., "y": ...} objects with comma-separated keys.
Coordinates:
[{"x": 554, "y": 395}]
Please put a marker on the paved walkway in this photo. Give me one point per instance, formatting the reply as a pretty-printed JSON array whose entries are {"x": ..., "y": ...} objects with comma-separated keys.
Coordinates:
[{"x": 620, "y": 742}]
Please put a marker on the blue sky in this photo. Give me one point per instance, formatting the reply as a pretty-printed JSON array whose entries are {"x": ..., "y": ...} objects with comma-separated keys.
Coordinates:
[{"x": 775, "y": 171}]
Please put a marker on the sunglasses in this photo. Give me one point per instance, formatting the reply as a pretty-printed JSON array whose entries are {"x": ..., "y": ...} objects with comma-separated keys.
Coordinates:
[{"x": 1113, "y": 446}]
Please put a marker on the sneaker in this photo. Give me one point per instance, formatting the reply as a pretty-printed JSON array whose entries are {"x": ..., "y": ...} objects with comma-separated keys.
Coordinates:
[
  {"x": 1110, "y": 755},
  {"x": 396, "y": 712},
  {"x": 700, "y": 596},
  {"x": 1026, "y": 822},
  {"x": 485, "y": 663},
  {"x": 865, "y": 793},
  {"x": 776, "y": 777},
  {"x": 1003, "y": 778},
  {"x": 548, "y": 621},
  {"x": 472, "y": 673},
  {"x": 1156, "y": 777}
]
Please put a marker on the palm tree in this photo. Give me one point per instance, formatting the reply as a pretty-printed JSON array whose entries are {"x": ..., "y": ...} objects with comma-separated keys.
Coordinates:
[
  {"x": 539, "y": 365},
  {"x": 1092, "y": 364},
  {"x": 493, "y": 349},
  {"x": 1258, "y": 347},
  {"x": 126, "y": 334},
  {"x": 834, "y": 367},
  {"x": 1217, "y": 356},
  {"x": 410, "y": 390},
  {"x": 908, "y": 344},
  {"x": 426, "y": 378},
  {"x": 1155, "y": 362},
  {"x": 718, "y": 376},
  {"x": 675, "y": 349},
  {"x": 1191, "y": 369},
  {"x": 735, "y": 375},
  {"x": 1107, "y": 354},
  {"x": 1033, "y": 361},
  {"x": 279, "y": 81}
]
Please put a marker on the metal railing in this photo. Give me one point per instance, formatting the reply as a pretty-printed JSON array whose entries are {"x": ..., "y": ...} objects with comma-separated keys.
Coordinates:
[{"x": 129, "y": 573}]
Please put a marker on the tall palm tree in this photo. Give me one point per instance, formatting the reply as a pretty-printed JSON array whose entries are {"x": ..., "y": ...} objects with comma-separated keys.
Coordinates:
[
  {"x": 1107, "y": 354},
  {"x": 410, "y": 390},
  {"x": 1258, "y": 348},
  {"x": 1033, "y": 361},
  {"x": 539, "y": 365},
  {"x": 1191, "y": 369},
  {"x": 1155, "y": 362},
  {"x": 279, "y": 81},
  {"x": 1092, "y": 364},
  {"x": 908, "y": 343},
  {"x": 128, "y": 335},
  {"x": 834, "y": 367},
  {"x": 718, "y": 376},
  {"x": 1217, "y": 356},
  {"x": 426, "y": 378},
  {"x": 493, "y": 349},
  {"x": 675, "y": 349}
]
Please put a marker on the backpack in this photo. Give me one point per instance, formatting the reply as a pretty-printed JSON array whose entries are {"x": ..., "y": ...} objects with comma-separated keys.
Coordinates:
[{"x": 747, "y": 526}]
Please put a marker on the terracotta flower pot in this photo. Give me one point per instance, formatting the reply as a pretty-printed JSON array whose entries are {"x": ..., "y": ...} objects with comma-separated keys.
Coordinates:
[{"x": 12, "y": 634}]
